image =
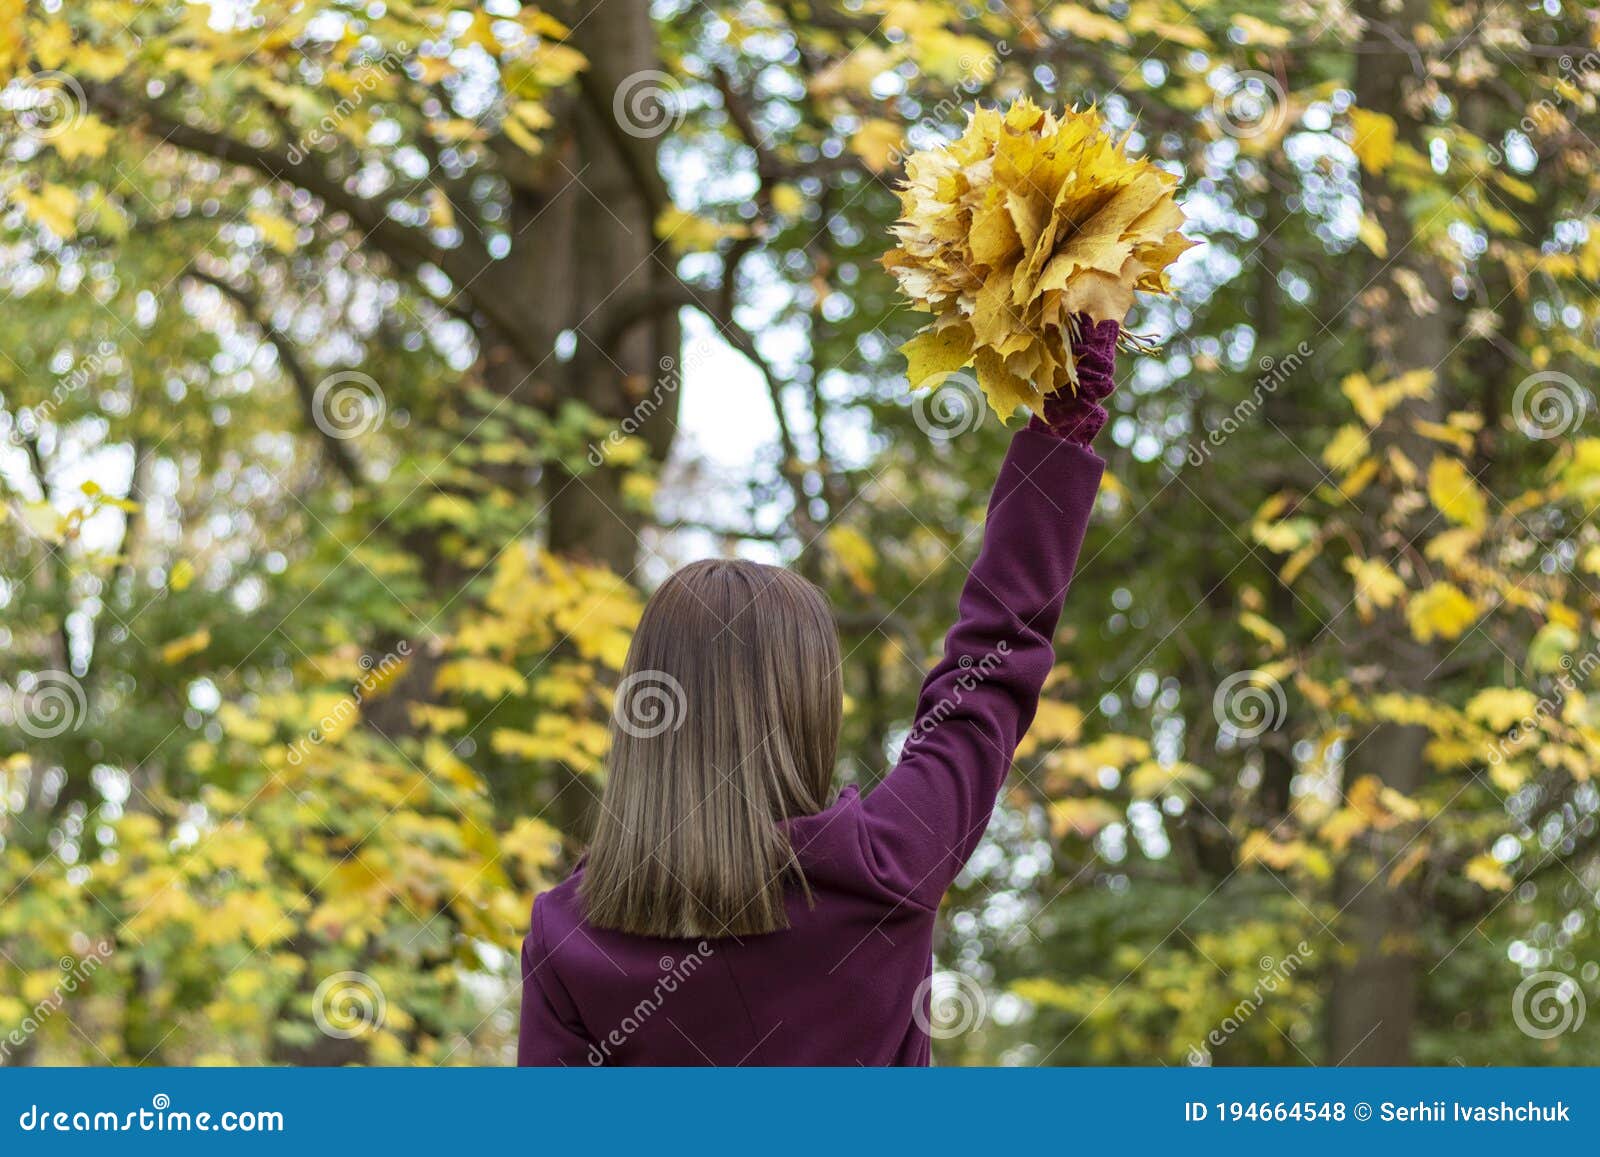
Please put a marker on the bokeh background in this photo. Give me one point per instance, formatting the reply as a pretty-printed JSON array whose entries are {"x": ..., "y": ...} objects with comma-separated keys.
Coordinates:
[{"x": 363, "y": 365}]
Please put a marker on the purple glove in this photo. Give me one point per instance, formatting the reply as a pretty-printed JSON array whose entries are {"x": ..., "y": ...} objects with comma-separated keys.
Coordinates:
[{"x": 1078, "y": 417}]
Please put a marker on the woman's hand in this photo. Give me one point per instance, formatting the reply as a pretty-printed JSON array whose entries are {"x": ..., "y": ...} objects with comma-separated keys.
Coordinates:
[{"x": 1078, "y": 417}]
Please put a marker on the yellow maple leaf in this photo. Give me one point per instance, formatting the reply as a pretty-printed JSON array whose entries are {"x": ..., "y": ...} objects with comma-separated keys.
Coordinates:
[
  {"x": 1377, "y": 587},
  {"x": 1441, "y": 611},
  {"x": 688, "y": 233},
  {"x": 180, "y": 649},
  {"x": 1486, "y": 872},
  {"x": 788, "y": 200},
  {"x": 275, "y": 230},
  {"x": 1453, "y": 490},
  {"x": 1374, "y": 139},
  {"x": 53, "y": 206},
  {"x": 1082, "y": 24},
  {"x": 854, "y": 554},
  {"x": 87, "y": 136},
  {"x": 878, "y": 144}
]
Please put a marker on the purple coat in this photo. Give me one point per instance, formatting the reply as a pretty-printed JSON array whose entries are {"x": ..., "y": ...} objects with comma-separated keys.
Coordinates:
[{"x": 847, "y": 982}]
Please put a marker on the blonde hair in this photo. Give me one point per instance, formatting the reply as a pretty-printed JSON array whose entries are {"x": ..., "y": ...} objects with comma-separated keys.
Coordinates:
[{"x": 726, "y": 723}]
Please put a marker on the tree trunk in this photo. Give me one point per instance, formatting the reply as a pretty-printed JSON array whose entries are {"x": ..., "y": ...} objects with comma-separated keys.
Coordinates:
[{"x": 1371, "y": 1012}]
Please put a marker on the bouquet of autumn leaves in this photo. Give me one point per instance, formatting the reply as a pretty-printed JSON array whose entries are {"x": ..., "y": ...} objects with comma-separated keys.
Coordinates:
[{"x": 1017, "y": 231}]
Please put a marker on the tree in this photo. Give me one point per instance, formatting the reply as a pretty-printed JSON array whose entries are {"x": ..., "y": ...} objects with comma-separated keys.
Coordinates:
[{"x": 342, "y": 377}]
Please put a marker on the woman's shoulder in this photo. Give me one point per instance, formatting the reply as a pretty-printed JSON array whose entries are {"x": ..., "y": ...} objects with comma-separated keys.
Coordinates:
[
  {"x": 833, "y": 845},
  {"x": 558, "y": 910}
]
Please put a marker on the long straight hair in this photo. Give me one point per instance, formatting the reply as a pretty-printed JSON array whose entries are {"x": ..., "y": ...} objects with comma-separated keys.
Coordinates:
[{"x": 726, "y": 723}]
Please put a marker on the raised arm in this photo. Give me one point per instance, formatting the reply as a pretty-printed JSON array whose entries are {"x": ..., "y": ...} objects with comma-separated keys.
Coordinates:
[{"x": 925, "y": 819}]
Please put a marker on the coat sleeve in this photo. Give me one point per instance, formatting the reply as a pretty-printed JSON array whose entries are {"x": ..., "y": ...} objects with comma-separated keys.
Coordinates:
[
  {"x": 551, "y": 1032},
  {"x": 926, "y": 818}
]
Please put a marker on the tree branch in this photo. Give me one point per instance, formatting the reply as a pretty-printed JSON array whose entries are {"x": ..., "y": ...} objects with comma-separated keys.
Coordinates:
[
  {"x": 407, "y": 248},
  {"x": 337, "y": 450}
]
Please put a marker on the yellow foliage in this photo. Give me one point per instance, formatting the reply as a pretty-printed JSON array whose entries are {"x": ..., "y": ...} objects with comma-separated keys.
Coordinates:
[
  {"x": 1441, "y": 611},
  {"x": 85, "y": 138},
  {"x": 1500, "y": 707},
  {"x": 1054, "y": 722},
  {"x": 1456, "y": 493},
  {"x": 1372, "y": 402},
  {"x": 1346, "y": 448},
  {"x": 53, "y": 206},
  {"x": 1152, "y": 778},
  {"x": 1011, "y": 232},
  {"x": 854, "y": 555},
  {"x": 178, "y": 650},
  {"x": 276, "y": 231},
  {"x": 484, "y": 678},
  {"x": 878, "y": 143},
  {"x": 1081, "y": 817},
  {"x": 1377, "y": 587},
  {"x": 688, "y": 233},
  {"x": 1486, "y": 872},
  {"x": 1374, "y": 138}
]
